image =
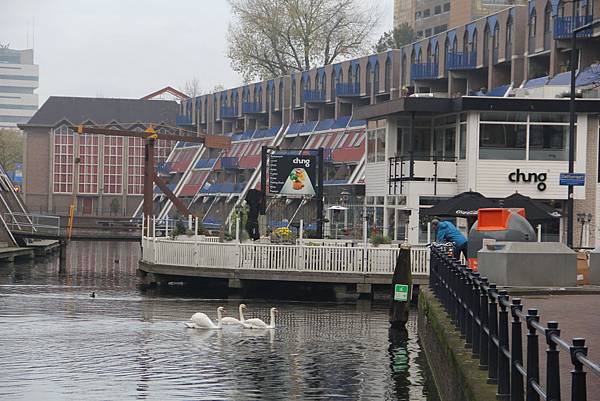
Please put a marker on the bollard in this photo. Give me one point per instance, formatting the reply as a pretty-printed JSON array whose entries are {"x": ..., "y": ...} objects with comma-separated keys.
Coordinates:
[
  {"x": 533, "y": 361},
  {"x": 493, "y": 329},
  {"x": 401, "y": 289},
  {"x": 578, "y": 382},
  {"x": 552, "y": 364},
  {"x": 516, "y": 352}
]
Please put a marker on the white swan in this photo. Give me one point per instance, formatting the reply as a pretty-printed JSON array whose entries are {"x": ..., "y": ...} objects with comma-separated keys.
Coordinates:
[
  {"x": 201, "y": 321},
  {"x": 232, "y": 320},
  {"x": 259, "y": 324}
]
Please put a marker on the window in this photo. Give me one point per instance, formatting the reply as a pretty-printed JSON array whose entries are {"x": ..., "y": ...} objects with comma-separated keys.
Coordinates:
[
  {"x": 427, "y": 32},
  {"x": 506, "y": 137},
  {"x": 88, "y": 164},
  {"x": 440, "y": 28},
  {"x": 437, "y": 10},
  {"x": 63, "y": 160},
  {"x": 113, "y": 165},
  {"x": 532, "y": 23},
  {"x": 462, "y": 142},
  {"x": 135, "y": 166},
  {"x": 446, "y": 7},
  {"x": 548, "y": 18},
  {"x": 419, "y": 34},
  {"x": 426, "y": 13},
  {"x": 418, "y": 15},
  {"x": 548, "y": 142},
  {"x": 502, "y": 141},
  {"x": 376, "y": 141}
]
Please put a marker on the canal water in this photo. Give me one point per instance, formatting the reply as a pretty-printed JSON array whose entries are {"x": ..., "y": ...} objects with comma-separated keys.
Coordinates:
[{"x": 58, "y": 343}]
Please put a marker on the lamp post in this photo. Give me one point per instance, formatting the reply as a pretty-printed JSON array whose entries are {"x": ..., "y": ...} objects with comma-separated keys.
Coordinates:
[{"x": 574, "y": 33}]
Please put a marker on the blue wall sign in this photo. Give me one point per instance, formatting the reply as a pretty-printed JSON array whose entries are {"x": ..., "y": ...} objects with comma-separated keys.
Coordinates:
[{"x": 575, "y": 179}]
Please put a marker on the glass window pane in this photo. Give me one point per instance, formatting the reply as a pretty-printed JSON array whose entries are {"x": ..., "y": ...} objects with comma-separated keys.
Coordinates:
[
  {"x": 505, "y": 142},
  {"x": 549, "y": 117},
  {"x": 371, "y": 146},
  {"x": 450, "y": 143},
  {"x": 380, "y": 145},
  {"x": 549, "y": 142},
  {"x": 503, "y": 116},
  {"x": 463, "y": 141}
]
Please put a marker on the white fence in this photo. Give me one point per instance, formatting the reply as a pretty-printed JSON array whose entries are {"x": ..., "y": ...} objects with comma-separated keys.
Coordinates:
[{"x": 257, "y": 256}]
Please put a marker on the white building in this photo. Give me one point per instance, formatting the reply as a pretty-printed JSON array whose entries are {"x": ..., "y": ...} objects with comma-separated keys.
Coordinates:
[
  {"x": 19, "y": 77},
  {"x": 421, "y": 151}
]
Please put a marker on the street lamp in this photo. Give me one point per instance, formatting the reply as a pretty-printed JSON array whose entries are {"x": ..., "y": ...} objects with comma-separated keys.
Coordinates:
[{"x": 572, "y": 119}]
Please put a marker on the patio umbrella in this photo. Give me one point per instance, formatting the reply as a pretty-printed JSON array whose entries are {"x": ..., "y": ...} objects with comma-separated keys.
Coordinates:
[
  {"x": 534, "y": 210},
  {"x": 465, "y": 204}
]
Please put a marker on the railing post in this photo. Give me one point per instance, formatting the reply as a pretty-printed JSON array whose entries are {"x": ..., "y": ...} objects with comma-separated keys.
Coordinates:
[
  {"x": 483, "y": 324},
  {"x": 493, "y": 335},
  {"x": 503, "y": 360},
  {"x": 516, "y": 352},
  {"x": 578, "y": 384},
  {"x": 533, "y": 362},
  {"x": 468, "y": 295},
  {"x": 552, "y": 363},
  {"x": 474, "y": 319}
]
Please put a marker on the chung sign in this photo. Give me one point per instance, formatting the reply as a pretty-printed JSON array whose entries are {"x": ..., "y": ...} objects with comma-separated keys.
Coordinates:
[
  {"x": 293, "y": 175},
  {"x": 537, "y": 178}
]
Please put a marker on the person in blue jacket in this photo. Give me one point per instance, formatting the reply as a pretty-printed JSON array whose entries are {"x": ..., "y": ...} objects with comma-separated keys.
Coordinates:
[{"x": 447, "y": 232}]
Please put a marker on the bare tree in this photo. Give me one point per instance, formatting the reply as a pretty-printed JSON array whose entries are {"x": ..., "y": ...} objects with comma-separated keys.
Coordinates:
[
  {"x": 270, "y": 38},
  {"x": 192, "y": 87}
]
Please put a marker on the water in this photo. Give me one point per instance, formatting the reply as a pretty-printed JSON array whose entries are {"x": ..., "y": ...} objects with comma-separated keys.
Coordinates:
[{"x": 57, "y": 343}]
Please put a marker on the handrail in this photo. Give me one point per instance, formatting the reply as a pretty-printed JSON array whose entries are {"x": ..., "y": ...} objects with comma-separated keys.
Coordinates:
[{"x": 480, "y": 312}]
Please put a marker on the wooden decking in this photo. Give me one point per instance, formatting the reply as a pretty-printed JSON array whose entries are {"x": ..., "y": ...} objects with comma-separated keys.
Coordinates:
[{"x": 12, "y": 254}]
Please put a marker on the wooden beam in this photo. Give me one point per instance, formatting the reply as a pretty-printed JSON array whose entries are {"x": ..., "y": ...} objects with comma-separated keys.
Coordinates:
[{"x": 176, "y": 202}]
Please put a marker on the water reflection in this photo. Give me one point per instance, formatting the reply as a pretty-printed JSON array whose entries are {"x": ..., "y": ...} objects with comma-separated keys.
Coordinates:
[{"x": 58, "y": 343}]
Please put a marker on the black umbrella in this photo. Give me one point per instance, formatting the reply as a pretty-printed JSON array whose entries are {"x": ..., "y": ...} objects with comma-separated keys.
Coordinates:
[
  {"x": 534, "y": 210},
  {"x": 462, "y": 205}
]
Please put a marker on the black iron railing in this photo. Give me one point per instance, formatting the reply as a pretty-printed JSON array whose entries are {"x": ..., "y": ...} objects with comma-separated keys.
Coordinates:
[{"x": 480, "y": 311}]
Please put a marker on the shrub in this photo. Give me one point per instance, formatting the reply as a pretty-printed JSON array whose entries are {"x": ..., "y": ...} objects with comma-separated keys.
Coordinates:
[{"x": 378, "y": 239}]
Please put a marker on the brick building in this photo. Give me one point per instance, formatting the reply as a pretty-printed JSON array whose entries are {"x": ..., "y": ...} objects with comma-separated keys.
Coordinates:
[
  {"x": 515, "y": 61},
  {"x": 109, "y": 177}
]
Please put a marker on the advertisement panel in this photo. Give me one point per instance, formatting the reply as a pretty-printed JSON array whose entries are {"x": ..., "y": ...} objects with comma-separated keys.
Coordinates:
[{"x": 292, "y": 175}]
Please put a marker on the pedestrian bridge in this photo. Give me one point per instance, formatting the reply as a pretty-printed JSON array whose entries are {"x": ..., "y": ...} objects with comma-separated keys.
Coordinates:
[{"x": 331, "y": 262}]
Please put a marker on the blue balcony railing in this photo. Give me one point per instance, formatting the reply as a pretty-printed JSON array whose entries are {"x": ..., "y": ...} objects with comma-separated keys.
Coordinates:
[
  {"x": 183, "y": 120},
  {"x": 252, "y": 107},
  {"x": 228, "y": 112},
  {"x": 563, "y": 26},
  {"x": 347, "y": 89},
  {"x": 424, "y": 71},
  {"x": 461, "y": 60},
  {"x": 230, "y": 163},
  {"x": 314, "y": 96}
]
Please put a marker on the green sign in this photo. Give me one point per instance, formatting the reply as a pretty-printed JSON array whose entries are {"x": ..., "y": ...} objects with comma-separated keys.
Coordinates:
[{"x": 401, "y": 292}]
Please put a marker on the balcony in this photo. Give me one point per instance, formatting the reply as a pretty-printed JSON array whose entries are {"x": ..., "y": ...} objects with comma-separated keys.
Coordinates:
[
  {"x": 183, "y": 120},
  {"x": 252, "y": 108},
  {"x": 347, "y": 89},
  {"x": 228, "y": 112},
  {"x": 230, "y": 163},
  {"x": 461, "y": 60},
  {"x": 314, "y": 96},
  {"x": 563, "y": 26},
  {"x": 424, "y": 71}
]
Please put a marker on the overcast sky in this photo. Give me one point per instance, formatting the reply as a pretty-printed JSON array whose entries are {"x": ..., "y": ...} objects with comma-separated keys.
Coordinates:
[{"x": 125, "y": 48}]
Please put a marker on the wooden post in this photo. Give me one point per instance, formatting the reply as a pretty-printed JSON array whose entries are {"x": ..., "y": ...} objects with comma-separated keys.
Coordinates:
[
  {"x": 148, "y": 177},
  {"x": 401, "y": 289}
]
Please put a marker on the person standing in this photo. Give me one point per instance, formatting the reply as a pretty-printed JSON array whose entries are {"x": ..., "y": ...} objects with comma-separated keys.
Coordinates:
[{"x": 447, "y": 232}]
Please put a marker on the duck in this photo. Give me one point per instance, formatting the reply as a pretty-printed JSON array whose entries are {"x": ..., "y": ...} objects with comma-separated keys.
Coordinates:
[
  {"x": 228, "y": 320},
  {"x": 93, "y": 295},
  {"x": 199, "y": 320},
  {"x": 259, "y": 324}
]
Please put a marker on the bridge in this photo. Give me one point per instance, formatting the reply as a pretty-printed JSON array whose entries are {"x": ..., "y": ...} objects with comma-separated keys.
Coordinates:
[{"x": 37, "y": 226}]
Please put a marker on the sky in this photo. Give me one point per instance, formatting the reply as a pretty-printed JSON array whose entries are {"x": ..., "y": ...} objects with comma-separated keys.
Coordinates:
[{"x": 126, "y": 48}]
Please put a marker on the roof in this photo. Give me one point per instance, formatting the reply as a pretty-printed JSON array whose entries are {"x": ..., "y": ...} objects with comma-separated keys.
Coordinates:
[
  {"x": 78, "y": 110},
  {"x": 167, "y": 89}
]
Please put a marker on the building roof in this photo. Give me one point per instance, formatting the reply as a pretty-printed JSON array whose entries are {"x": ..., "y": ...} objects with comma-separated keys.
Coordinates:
[
  {"x": 125, "y": 112},
  {"x": 167, "y": 89}
]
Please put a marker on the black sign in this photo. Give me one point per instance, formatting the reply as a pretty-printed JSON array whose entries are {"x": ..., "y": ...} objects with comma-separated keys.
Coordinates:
[
  {"x": 292, "y": 175},
  {"x": 537, "y": 178}
]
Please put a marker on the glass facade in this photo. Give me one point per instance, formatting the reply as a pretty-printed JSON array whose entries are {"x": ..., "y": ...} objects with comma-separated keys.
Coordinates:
[
  {"x": 521, "y": 136},
  {"x": 63, "y": 161},
  {"x": 113, "y": 165}
]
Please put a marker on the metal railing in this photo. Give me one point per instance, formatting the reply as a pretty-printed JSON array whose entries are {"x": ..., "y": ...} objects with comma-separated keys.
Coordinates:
[
  {"x": 480, "y": 311},
  {"x": 183, "y": 119},
  {"x": 314, "y": 96},
  {"x": 424, "y": 71},
  {"x": 461, "y": 60},
  {"x": 228, "y": 112},
  {"x": 347, "y": 89},
  {"x": 33, "y": 223},
  {"x": 206, "y": 253},
  {"x": 564, "y": 26},
  {"x": 252, "y": 107}
]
